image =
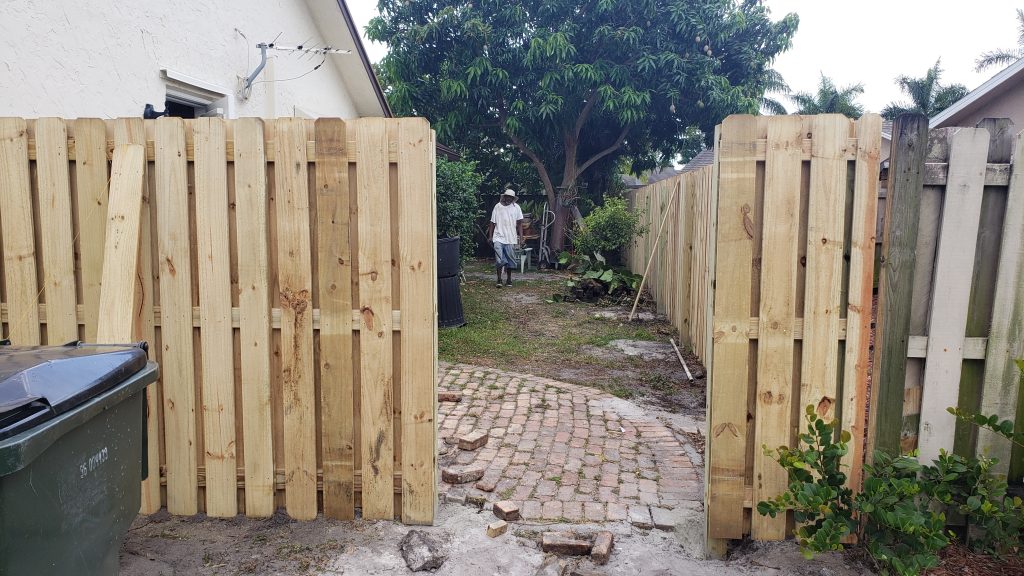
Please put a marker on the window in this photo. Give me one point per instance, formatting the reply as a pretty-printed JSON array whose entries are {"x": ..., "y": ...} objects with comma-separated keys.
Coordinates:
[{"x": 191, "y": 98}]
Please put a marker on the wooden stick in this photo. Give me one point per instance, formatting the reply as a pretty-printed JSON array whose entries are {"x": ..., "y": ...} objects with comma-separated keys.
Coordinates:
[
  {"x": 654, "y": 251},
  {"x": 681, "y": 361}
]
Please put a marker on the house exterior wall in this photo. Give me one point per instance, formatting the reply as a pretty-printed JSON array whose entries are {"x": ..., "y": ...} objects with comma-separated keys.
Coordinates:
[
  {"x": 1008, "y": 102},
  {"x": 103, "y": 58}
]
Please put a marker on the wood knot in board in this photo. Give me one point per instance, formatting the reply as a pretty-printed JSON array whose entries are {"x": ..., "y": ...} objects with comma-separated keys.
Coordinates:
[
  {"x": 824, "y": 406},
  {"x": 748, "y": 222},
  {"x": 375, "y": 453},
  {"x": 170, "y": 266},
  {"x": 767, "y": 397},
  {"x": 368, "y": 316},
  {"x": 726, "y": 426},
  {"x": 297, "y": 301}
]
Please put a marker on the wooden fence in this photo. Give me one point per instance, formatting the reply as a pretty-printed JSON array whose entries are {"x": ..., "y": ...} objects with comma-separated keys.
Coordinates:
[
  {"x": 287, "y": 286},
  {"x": 678, "y": 280},
  {"x": 951, "y": 298}
]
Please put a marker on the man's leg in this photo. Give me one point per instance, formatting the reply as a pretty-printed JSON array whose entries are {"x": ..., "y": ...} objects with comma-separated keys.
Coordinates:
[{"x": 498, "y": 261}]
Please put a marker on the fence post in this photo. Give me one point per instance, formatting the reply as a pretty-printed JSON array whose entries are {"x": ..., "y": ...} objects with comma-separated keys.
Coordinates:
[{"x": 906, "y": 181}]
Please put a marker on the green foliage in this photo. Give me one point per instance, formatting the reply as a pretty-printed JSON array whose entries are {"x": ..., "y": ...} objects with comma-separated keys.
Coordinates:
[
  {"x": 830, "y": 99},
  {"x": 1003, "y": 56},
  {"x": 821, "y": 505},
  {"x": 607, "y": 229},
  {"x": 616, "y": 282},
  {"x": 927, "y": 95},
  {"x": 457, "y": 208},
  {"x": 902, "y": 533}
]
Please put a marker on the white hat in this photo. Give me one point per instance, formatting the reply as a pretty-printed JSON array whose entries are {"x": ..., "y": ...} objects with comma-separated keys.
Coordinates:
[{"x": 509, "y": 192}]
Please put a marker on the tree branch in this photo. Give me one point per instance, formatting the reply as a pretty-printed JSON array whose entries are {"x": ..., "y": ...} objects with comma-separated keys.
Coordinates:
[
  {"x": 615, "y": 146},
  {"x": 584, "y": 114},
  {"x": 536, "y": 161}
]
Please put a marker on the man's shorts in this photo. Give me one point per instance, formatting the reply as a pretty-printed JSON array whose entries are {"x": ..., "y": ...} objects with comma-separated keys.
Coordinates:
[{"x": 505, "y": 256}]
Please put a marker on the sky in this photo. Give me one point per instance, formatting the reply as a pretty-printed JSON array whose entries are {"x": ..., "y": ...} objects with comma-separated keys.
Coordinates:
[{"x": 867, "y": 41}]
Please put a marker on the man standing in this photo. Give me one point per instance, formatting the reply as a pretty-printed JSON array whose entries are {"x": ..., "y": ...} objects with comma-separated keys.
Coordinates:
[{"x": 505, "y": 232}]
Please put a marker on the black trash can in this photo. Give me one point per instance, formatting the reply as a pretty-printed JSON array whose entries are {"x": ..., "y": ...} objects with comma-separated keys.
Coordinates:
[
  {"x": 72, "y": 454},
  {"x": 449, "y": 303},
  {"x": 448, "y": 257}
]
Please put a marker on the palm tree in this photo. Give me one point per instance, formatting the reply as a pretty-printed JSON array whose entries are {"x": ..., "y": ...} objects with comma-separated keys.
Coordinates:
[
  {"x": 830, "y": 99},
  {"x": 773, "y": 82},
  {"x": 927, "y": 95},
  {"x": 1004, "y": 56}
]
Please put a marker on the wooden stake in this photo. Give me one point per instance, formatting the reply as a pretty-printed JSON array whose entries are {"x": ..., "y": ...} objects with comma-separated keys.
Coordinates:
[
  {"x": 681, "y": 361},
  {"x": 654, "y": 251}
]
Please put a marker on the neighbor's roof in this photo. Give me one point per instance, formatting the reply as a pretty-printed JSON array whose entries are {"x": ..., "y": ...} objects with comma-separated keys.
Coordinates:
[
  {"x": 705, "y": 158},
  {"x": 978, "y": 97},
  {"x": 360, "y": 79}
]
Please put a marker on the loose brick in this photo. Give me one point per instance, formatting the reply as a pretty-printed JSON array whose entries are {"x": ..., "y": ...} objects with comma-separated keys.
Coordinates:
[
  {"x": 486, "y": 485},
  {"x": 472, "y": 440},
  {"x": 663, "y": 519},
  {"x": 602, "y": 549},
  {"x": 462, "y": 474},
  {"x": 495, "y": 529},
  {"x": 449, "y": 396},
  {"x": 506, "y": 510},
  {"x": 564, "y": 543},
  {"x": 640, "y": 516}
]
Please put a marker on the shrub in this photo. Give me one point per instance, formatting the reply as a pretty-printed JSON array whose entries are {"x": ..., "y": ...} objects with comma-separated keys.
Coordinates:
[
  {"x": 607, "y": 229},
  {"x": 457, "y": 208}
]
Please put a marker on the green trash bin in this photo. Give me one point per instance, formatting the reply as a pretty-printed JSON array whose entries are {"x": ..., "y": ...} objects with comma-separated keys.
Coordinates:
[{"x": 72, "y": 450}]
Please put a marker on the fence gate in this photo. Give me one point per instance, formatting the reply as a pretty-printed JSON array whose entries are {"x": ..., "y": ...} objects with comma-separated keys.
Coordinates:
[{"x": 793, "y": 218}]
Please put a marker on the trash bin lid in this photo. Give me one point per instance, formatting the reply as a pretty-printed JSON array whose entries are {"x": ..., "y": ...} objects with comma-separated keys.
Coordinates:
[{"x": 38, "y": 383}]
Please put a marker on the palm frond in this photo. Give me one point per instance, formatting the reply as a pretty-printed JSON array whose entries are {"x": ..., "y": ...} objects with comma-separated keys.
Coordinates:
[{"x": 997, "y": 58}]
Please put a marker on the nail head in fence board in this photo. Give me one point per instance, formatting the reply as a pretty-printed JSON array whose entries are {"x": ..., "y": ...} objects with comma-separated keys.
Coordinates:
[
  {"x": 55, "y": 218},
  {"x": 133, "y": 131},
  {"x": 254, "y": 316},
  {"x": 825, "y": 234},
  {"x": 335, "y": 281},
  {"x": 295, "y": 279},
  {"x": 177, "y": 363},
  {"x": 858, "y": 313},
  {"x": 214, "y": 253},
  {"x": 375, "y": 338},
  {"x": 777, "y": 311},
  {"x": 1006, "y": 337},
  {"x": 906, "y": 172},
  {"x": 18, "y": 236},
  {"x": 727, "y": 424},
  {"x": 947, "y": 322},
  {"x": 416, "y": 234},
  {"x": 121, "y": 254},
  {"x": 91, "y": 186}
]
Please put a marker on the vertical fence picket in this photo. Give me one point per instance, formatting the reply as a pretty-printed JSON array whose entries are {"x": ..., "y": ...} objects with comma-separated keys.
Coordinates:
[
  {"x": 18, "y": 238},
  {"x": 91, "y": 185}
]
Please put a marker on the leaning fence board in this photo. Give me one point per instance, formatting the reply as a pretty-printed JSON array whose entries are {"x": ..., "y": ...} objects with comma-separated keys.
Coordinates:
[
  {"x": 1006, "y": 338},
  {"x": 335, "y": 281},
  {"x": 254, "y": 316},
  {"x": 91, "y": 188},
  {"x": 777, "y": 317},
  {"x": 727, "y": 425},
  {"x": 55, "y": 217},
  {"x": 18, "y": 238},
  {"x": 121, "y": 254},
  {"x": 214, "y": 259},
  {"x": 418, "y": 377},
  {"x": 947, "y": 322},
  {"x": 375, "y": 339},
  {"x": 176, "y": 350},
  {"x": 295, "y": 286}
]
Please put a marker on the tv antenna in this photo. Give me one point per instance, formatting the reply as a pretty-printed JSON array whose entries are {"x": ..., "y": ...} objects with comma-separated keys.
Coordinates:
[{"x": 299, "y": 48}]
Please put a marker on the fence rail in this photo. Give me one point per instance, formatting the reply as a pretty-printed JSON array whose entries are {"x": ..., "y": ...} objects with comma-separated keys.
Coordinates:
[{"x": 287, "y": 282}]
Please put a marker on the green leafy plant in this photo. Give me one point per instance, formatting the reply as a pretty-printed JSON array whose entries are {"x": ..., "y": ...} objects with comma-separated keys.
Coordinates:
[
  {"x": 607, "y": 229},
  {"x": 821, "y": 505},
  {"x": 595, "y": 279},
  {"x": 457, "y": 207}
]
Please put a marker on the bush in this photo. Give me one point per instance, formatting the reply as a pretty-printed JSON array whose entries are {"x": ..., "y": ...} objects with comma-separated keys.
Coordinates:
[
  {"x": 457, "y": 208},
  {"x": 607, "y": 229}
]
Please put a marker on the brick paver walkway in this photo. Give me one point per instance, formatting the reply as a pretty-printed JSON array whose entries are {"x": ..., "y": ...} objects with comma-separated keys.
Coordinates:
[{"x": 559, "y": 450}]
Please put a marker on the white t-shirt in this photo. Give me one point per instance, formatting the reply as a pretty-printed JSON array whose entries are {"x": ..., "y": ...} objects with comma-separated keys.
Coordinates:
[{"x": 504, "y": 219}]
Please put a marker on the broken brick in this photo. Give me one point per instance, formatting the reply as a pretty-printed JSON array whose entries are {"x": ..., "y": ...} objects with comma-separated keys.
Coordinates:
[
  {"x": 462, "y": 474},
  {"x": 473, "y": 440},
  {"x": 506, "y": 510},
  {"x": 495, "y": 529},
  {"x": 565, "y": 543},
  {"x": 486, "y": 485},
  {"x": 602, "y": 549},
  {"x": 449, "y": 396}
]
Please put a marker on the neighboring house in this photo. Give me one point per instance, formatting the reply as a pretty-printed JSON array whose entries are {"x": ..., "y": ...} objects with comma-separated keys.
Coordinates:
[{"x": 109, "y": 58}]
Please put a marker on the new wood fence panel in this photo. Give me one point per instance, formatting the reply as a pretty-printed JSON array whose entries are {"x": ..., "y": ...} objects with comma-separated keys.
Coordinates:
[
  {"x": 254, "y": 314},
  {"x": 213, "y": 248},
  {"x": 375, "y": 292},
  {"x": 177, "y": 363},
  {"x": 419, "y": 462},
  {"x": 91, "y": 203},
  {"x": 55, "y": 217},
  {"x": 951, "y": 288},
  {"x": 777, "y": 316},
  {"x": 727, "y": 425},
  {"x": 1006, "y": 338},
  {"x": 335, "y": 282},
  {"x": 295, "y": 287},
  {"x": 16, "y": 222}
]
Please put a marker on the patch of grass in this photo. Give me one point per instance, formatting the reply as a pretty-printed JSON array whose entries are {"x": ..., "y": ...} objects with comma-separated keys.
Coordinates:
[
  {"x": 619, "y": 391},
  {"x": 657, "y": 381},
  {"x": 172, "y": 534},
  {"x": 506, "y": 493},
  {"x": 556, "y": 479},
  {"x": 489, "y": 331}
]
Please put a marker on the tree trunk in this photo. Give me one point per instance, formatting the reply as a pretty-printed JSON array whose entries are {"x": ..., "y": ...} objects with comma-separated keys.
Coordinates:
[{"x": 559, "y": 228}]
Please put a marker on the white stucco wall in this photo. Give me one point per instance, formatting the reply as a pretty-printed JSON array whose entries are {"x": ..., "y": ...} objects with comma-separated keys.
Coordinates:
[{"x": 102, "y": 58}]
